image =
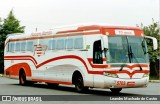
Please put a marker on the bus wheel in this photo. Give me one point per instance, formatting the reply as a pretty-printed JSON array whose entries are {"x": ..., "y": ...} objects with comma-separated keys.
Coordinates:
[
  {"x": 22, "y": 78},
  {"x": 79, "y": 85},
  {"x": 116, "y": 90}
]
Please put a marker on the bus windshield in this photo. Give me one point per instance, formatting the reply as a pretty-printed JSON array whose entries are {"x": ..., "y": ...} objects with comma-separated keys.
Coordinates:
[{"x": 127, "y": 49}]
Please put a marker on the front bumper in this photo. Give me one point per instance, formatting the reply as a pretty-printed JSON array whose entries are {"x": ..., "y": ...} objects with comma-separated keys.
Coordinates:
[{"x": 110, "y": 82}]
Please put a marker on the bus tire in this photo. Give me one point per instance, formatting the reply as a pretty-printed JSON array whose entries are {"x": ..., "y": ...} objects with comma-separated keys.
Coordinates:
[
  {"x": 22, "y": 78},
  {"x": 79, "y": 84},
  {"x": 116, "y": 90}
]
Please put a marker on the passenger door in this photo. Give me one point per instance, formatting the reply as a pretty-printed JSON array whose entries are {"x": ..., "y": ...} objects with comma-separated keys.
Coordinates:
[{"x": 98, "y": 66}]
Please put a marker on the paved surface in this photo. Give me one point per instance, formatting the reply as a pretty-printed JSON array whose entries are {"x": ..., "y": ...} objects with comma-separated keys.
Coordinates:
[
  {"x": 155, "y": 81},
  {"x": 11, "y": 87}
]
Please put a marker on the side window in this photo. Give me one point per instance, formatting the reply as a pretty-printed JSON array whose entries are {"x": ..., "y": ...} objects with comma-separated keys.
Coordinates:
[
  {"x": 29, "y": 45},
  {"x": 17, "y": 46},
  {"x": 60, "y": 44},
  {"x": 52, "y": 44},
  {"x": 7, "y": 47},
  {"x": 23, "y": 46},
  {"x": 69, "y": 43},
  {"x": 78, "y": 43},
  {"x": 97, "y": 53},
  {"x": 11, "y": 47},
  {"x": 43, "y": 41}
]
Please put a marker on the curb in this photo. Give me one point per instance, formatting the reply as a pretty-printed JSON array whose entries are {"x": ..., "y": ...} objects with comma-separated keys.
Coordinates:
[{"x": 154, "y": 81}]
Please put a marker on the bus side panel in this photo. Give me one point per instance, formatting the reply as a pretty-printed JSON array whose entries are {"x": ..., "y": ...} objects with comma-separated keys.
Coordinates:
[
  {"x": 13, "y": 71},
  {"x": 66, "y": 63}
]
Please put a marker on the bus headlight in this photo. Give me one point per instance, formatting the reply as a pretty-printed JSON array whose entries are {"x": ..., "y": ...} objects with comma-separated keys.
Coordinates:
[
  {"x": 146, "y": 75},
  {"x": 110, "y": 75}
]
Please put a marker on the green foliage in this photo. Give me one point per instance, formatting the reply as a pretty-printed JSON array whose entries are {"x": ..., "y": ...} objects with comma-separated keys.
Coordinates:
[
  {"x": 154, "y": 31},
  {"x": 8, "y": 26},
  {"x": 11, "y": 25}
]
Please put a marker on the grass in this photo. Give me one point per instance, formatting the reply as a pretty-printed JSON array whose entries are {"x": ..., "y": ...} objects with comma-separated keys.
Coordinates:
[{"x": 154, "y": 78}]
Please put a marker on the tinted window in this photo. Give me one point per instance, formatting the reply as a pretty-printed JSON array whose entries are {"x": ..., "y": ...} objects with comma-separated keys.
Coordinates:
[
  {"x": 60, "y": 44},
  {"x": 52, "y": 44},
  {"x": 23, "y": 46},
  {"x": 78, "y": 43},
  {"x": 11, "y": 47},
  {"x": 7, "y": 47},
  {"x": 43, "y": 41},
  {"x": 69, "y": 43},
  {"x": 17, "y": 46},
  {"x": 29, "y": 46}
]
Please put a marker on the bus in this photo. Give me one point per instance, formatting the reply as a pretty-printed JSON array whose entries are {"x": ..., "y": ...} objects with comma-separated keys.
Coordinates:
[{"x": 86, "y": 56}]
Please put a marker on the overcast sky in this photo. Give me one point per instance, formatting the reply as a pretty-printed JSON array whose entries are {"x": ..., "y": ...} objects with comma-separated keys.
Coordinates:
[{"x": 46, "y": 14}]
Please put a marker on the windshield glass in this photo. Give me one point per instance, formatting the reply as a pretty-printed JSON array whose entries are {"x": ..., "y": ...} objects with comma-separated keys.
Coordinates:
[{"x": 126, "y": 49}]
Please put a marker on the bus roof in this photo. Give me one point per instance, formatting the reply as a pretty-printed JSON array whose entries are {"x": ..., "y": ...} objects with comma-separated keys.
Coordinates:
[
  {"x": 93, "y": 29},
  {"x": 99, "y": 27}
]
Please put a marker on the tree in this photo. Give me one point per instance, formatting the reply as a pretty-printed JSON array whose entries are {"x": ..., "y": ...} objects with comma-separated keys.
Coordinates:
[
  {"x": 154, "y": 31},
  {"x": 9, "y": 25}
]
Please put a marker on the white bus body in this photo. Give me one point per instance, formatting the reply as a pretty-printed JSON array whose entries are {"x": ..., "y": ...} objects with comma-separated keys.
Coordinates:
[{"x": 113, "y": 57}]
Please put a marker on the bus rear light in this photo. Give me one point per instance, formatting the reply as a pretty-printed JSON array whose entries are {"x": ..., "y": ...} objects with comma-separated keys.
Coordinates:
[{"x": 110, "y": 75}]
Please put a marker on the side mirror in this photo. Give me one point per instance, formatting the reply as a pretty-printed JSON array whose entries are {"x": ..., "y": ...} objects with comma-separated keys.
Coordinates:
[
  {"x": 154, "y": 40},
  {"x": 104, "y": 39}
]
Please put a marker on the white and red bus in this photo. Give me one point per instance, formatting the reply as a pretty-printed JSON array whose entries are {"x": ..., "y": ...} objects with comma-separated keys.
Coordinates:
[{"x": 87, "y": 56}]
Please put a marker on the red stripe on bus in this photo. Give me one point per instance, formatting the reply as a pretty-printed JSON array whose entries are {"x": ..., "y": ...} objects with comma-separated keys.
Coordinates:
[
  {"x": 80, "y": 59},
  {"x": 66, "y": 57},
  {"x": 52, "y": 36},
  {"x": 90, "y": 60},
  {"x": 21, "y": 58},
  {"x": 50, "y": 60},
  {"x": 39, "y": 52},
  {"x": 38, "y": 46},
  {"x": 127, "y": 72},
  {"x": 136, "y": 65},
  {"x": 14, "y": 69},
  {"x": 130, "y": 83}
]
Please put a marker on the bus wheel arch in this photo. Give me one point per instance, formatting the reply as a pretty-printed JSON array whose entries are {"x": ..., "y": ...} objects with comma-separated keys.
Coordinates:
[{"x": 77, "y": 80}]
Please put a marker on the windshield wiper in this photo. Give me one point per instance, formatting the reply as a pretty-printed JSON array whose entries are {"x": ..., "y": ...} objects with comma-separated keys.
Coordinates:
[
  {"x": 123, "y": 65},
  {"x": 129, "y": 53},
  {"x": 133, "y": 56},
  {"x": 129, "y": 56}
]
